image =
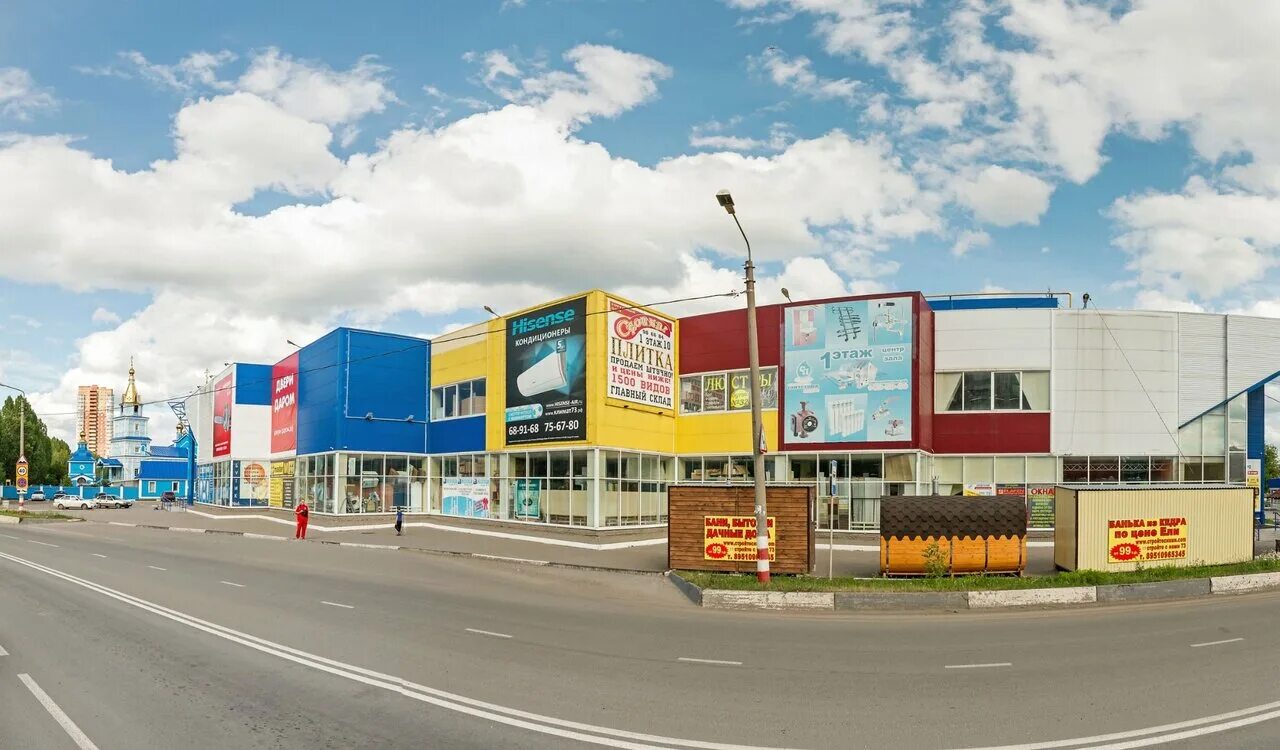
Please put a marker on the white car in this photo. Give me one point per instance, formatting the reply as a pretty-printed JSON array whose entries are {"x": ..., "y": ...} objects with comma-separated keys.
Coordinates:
[
  {"x": 103, "y": 500},
  {"x": 73, "y": 502}
]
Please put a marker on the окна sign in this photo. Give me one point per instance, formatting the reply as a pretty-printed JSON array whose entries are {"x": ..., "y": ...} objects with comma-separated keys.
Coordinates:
[
  {"x": 734, "y": 538},
  {"x": 1146, "y": 539}
]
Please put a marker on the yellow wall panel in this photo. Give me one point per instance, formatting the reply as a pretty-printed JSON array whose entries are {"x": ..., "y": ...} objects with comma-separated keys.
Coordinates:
[
  {"x": 462, "y": 355},
  {"x": 723, "y": 433}
]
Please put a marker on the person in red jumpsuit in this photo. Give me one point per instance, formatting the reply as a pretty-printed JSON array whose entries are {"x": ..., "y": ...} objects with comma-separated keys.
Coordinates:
[{"x": 301, "y": 512}]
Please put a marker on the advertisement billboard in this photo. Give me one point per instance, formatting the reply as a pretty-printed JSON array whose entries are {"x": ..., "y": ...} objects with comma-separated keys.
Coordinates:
[
  {"x": 546, "y": 374},
  {"x": 527, "y": 498},
  {"x": 641, "y": 356},
  {"x": 223, "y": 398},
  {"x": 465, "y": 496},
  {"x": 282, "y": 484},
  {"x": 284, "y": 405},
  {"x": 848, "y": 370}
]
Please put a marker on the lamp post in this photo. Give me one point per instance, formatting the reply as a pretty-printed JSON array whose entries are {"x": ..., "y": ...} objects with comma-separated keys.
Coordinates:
[
  {"x": 22, "y": 442},
  {"x": 757, "y": 421}
]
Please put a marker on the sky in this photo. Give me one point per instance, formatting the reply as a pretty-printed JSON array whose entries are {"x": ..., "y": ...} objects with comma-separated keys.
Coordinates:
[{"x": 193, "y": 184}]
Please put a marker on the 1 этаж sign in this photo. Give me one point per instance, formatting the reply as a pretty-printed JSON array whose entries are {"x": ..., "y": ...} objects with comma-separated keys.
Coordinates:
[
  {"x": 1146, "y": 539},
  {"x": 734, "y": 538}
]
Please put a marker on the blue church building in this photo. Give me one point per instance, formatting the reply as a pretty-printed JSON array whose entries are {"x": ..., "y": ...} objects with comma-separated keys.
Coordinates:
[{"x": 80, "y": 467}]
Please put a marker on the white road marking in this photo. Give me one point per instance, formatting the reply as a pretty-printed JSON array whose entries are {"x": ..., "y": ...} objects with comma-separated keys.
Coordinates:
[
  {"x": 979, "y": 666},
  {"x": 229, "y": 583},
  {"x": 60, "y": 716},
  {"x": 3, "y": 652},
  {"x": 120, "y": 523},
  {"x": 710, "y": 661},
  {"x": 11, "y": 537},
  {"x": 488, "y": 632},
  {"x": 189, "y": 531},
  {"x": 591, "y": 733},
  {"x": 272, "y": 537},
  {"x": 511, "y": 559},
  {"x": 46, "y": 544},
  {"x": 154, "y": 567},
  {"x": 335, "y": 604},
  {"x": 95, "y": 554},
  {"x": 367, "y": 546},
  {"x": 1216, "y": 643}
]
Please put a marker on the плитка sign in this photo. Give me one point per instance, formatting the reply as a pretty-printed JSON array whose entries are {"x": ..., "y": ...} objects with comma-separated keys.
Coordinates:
[
  {"x": 1146, "y": 539},
  {"x": 734, "y": 538}
]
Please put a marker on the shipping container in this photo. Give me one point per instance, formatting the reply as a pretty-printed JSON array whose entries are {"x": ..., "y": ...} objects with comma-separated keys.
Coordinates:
[{"x": 1121, "y": 528}]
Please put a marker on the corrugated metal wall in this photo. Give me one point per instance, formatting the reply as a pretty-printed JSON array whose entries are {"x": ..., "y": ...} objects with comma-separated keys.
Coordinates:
[
  {"x": 1219, "y": 523},
  {"x": 1064, "y": 528},
  {"x": 1253, "y": 348},
  {"x": 992, "y": 340},
  {"x": 1202, "y": 371}
]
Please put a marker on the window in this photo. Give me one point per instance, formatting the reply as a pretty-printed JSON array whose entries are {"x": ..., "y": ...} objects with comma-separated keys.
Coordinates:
[
  {"x": 465, "y": 399},
  {"x": 173, "y": 486},
  {"x": 151, "y": 488},
  {"x": 991, "y": 391},
  {"x": 727, "y": 391}
]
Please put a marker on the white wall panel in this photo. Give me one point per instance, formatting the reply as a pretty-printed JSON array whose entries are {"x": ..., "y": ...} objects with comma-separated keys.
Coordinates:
[
  {"x": 250, "y": 431},
  {"x": 992, "y": 339},
  {"x": 1253, "y": 351},
  {"x": 1115, "y": 382},
  {"x": 1202, "y": 341},
  {"x": 200, "y": 414}
]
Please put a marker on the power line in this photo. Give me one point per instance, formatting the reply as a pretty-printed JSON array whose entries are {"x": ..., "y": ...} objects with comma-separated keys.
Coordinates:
[{"x": 443, "y": 338}]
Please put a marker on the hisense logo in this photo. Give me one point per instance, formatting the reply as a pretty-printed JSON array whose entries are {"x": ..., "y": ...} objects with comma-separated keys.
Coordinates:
[{"x": 521, "y": 326}]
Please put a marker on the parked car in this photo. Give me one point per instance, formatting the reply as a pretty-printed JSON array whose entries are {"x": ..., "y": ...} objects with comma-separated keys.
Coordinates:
[
  {"x": 169, "y": 497},
  {"x": 36, "y": 495},
  {"x": 103, "y": 500},
  {"x": 70, "y": 501}
]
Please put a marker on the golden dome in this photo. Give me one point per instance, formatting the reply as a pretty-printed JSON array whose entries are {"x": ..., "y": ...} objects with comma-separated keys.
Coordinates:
[{"x": 130, "y": 397}]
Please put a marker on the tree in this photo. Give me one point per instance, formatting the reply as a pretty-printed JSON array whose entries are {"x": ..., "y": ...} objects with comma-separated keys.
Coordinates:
[
  {"x": 41, "y": 462},
  {"x": 1271, "y": 462}
]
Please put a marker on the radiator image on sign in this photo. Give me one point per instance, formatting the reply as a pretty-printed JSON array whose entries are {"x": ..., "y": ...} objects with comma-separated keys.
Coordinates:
[
  {"x": 1146, "y": 539},
  {"x": 734, "y": 538}
]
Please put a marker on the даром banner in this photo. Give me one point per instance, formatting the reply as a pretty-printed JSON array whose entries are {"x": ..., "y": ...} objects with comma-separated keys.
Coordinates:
[
  {"x": 641, "y": 356},
  {"x": 223, "y": 399},
  {"x": 546, "y": 374},
  {"x": 284, "y": 405},
  {"x": 848, "y": 371}
]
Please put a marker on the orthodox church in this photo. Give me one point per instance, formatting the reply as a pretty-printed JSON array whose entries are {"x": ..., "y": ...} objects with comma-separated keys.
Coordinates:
[{"x": 133, "y": 462}]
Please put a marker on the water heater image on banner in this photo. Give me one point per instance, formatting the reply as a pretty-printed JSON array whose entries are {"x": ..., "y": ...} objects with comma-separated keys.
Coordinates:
[{"x": 547, "y": 374}]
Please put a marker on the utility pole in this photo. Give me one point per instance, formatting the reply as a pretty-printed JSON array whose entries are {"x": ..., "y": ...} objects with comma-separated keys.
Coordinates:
[
  {"x": 757, "y": 420},
  {"x": 21, "y": 468}
]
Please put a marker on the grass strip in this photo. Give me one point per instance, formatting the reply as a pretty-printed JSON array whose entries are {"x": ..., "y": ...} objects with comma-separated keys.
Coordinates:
[
  {"x": 747, "y": 581},
  {"x": 37, "y": 515}
]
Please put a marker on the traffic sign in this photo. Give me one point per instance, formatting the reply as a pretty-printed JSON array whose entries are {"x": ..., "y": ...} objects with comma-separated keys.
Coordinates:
[{"x": 22, "y": 475}]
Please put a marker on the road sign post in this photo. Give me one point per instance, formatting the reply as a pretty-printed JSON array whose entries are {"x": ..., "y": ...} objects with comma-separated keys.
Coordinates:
[{"x": 22, "y": 482}]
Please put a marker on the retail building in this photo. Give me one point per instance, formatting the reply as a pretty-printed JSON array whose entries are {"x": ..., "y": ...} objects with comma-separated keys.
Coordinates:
[{"x": 582, "y": 411}]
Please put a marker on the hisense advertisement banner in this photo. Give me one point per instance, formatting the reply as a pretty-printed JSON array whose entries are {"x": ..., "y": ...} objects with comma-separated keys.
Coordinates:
[{"x": 547, "y": 375}]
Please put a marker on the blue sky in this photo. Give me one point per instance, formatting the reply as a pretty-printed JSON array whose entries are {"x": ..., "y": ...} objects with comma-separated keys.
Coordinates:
[{"x": 193, "y": 183}]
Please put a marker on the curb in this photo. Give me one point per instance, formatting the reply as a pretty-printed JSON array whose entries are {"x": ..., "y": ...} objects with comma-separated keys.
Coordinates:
[{"x": 1067, "y": 596}]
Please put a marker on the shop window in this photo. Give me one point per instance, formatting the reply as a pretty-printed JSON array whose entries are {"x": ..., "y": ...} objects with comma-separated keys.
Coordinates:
[
  {"x": 691, "y": 469},
  {"x": 742, "y": 468},
  {"x": 1238, "y": 408},
  {"x": 1075, "y": 470},
  {"x": 1235, "y": 467},
  {"x": 463, "y": 399},
  {"x": 804, "y": 468},
  {"x": 1215, "y": 434},
  {"x": 581, "y": 464},
  {"x": 979, "y": 470},
  {"x": 864, "y": 466},
  {"x": 1237, "y": 436},
  {"x": 1164, "y": 469},
  {"x": 949, "y": 470},
  {"x": 538, "y": 464},
  {"x": 1008, "y": 391},
  {"x": 1192, "y": 469},
  {"x": 977, "y": 391},
  {"x": 1135, "y": 469},
  {"x": 560, "y": 463},
  {"x": 727, "y": 391},
  {"x": 1215, "y": 469},
  {"x": 899, "y": 467},
  {"x": 1104, "y": 469},
  {"x": 1035, "y": 391}
]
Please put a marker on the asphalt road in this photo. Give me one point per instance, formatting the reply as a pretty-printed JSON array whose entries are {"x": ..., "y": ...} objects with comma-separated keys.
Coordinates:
[{"x": 148, "y": 639}]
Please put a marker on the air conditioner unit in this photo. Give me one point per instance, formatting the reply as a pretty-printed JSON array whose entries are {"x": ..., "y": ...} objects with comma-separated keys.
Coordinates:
[{"x": 547, "y": 374}]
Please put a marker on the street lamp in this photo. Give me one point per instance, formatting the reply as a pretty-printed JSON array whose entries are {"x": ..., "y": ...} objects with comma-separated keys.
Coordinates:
[
  {"x": 491, "y": 312},
  {"x": 22, "y": 440},
  {"x": 786, "y": 293},
  {"x": 757, "y": 422},
  {"x": 290, "y": 343}
]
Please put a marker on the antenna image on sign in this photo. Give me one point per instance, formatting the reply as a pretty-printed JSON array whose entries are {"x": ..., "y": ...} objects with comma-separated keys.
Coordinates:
[{"x": 547, "y": 374}]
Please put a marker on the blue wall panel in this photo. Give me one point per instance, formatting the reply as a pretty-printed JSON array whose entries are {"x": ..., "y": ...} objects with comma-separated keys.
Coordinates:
[
  {"x": 388, "y": 378},
  {"x": 320, "y": 379},
  {"x": 253, "y": 384},
  {"x": 464, "y": 435},
  {"x": 1257, "y": 405},
  {"x": 992, "y": 303}
]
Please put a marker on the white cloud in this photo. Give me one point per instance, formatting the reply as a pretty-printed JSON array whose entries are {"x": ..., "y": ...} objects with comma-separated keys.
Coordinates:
[
  {"x": 104, "y": 316},
  {"x": 25, "y": 320},
  {"x": 605, "y": 82},
  {"x": 796, "y": 73},
  {"x": 432, "y": 220},
  {"x": 199, "y": 70},
  {"x": 1005, "y": 197},
  {"x": 711, "y": 135},
  {"x": 20, "y": 97},
  {"x": 968, "y": 240},
  {"x": 315, "y": 92},
  {"x": 1151, "y": 299}
]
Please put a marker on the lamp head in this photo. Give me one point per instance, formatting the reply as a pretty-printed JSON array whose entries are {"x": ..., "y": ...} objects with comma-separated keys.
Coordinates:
[
  {"x": 725, "y": 200},
  {"x": 786, "y": 293},
  {"x": 491, "y": 312},
  {"x": 290, "y": 343}
]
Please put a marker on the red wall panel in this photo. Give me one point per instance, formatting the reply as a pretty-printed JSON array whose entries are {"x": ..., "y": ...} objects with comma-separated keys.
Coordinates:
[
  {"x": 718, "y": 341},
  {"x": 991, "y": 432}
]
